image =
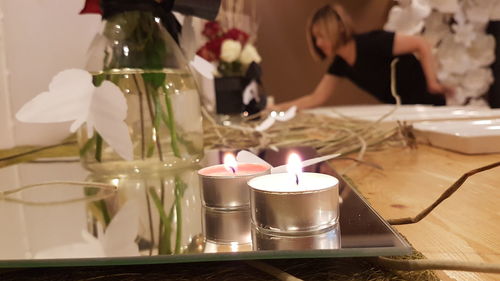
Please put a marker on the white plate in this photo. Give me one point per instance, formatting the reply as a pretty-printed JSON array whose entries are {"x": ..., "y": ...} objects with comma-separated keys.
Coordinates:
[
  {"x": 409, "y": 113},
  {"x": 466, "y": 136}
]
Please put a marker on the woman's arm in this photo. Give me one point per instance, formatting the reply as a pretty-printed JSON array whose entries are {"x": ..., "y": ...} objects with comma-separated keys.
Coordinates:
[
  {"x": 318, "y": 97},
  {"x": 404, "y": 44}
]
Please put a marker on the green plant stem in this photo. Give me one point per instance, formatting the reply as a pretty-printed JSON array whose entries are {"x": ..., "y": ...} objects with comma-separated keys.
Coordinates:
[
  {"x": 98, "y": 147},
  {"x": 165, "y": 247},
  {"x": 141, "y": 112},
  {"x": 105, "y": 214},
  {"x": 171, "y": 126},
  {"x": 157, "y": 129},
  {"x": 178, "y": 213},
  {"x": 87, "y": 145},
  {"x": 162, "y": 201},
  {"x": 150, "y": 221},
  {"x": 33, "y": 151}
]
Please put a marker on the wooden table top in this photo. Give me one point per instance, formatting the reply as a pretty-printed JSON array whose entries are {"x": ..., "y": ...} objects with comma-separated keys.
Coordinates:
[{"x": 465, "y": 227}]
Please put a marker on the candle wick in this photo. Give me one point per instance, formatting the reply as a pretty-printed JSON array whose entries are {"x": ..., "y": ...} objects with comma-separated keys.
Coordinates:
[
  {"x": 233, "y": 170},
  {"x": 297, "y": 179}
]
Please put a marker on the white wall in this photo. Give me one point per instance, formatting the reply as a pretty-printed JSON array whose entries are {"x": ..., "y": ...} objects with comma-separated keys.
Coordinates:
[{"x": 40, "y": 38}]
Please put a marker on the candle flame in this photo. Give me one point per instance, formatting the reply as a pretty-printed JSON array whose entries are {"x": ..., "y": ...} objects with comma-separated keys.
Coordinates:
[
  {"x": 294, "y": 166},
  {"x": 230, "y": 163}
]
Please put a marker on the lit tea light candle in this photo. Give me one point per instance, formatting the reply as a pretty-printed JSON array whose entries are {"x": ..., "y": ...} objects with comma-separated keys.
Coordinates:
[
  {"x": 294, "y": 202},
  {"x": 225, "y": 186}
]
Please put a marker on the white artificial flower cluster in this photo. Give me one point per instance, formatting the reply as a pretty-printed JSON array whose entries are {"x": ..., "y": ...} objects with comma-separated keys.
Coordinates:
[
  {"x": 457, "y": 31},
  {"x": 231, "y": 51}
]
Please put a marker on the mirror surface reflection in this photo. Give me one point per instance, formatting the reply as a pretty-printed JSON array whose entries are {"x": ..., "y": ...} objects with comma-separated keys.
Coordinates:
[{"x": 161, "y": 216}]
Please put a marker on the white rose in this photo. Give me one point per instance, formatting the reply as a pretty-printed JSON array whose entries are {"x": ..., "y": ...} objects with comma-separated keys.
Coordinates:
[
  {"x": 249, "y": 55},
  {"x": 230, "y": 50}
]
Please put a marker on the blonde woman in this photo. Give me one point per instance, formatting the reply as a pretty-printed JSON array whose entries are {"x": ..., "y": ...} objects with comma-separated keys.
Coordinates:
[{"x": 366, "y": 59}]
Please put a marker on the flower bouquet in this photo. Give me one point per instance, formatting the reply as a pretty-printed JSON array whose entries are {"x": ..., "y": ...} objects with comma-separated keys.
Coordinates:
[{"x": 237, "y": 78}]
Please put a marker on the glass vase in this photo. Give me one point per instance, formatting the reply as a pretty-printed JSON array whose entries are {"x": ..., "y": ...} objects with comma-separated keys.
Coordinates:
[
  {"x": 168, "y": 210},
  {"x": 135, "y": 52}
]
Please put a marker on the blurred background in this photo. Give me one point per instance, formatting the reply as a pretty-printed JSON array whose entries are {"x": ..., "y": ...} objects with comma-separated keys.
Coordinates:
[{"x": 40, "y": 38}]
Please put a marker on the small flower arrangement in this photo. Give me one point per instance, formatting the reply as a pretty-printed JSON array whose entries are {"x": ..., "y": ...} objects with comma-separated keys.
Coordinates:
[{"x": 230, "y": 50}]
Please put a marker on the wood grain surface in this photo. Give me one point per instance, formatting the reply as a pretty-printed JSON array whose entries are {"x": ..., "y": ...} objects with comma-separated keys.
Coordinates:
[{"x": 465, "y": 227}]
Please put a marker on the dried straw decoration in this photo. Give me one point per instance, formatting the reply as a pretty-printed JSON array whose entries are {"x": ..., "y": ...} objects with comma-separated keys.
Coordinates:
[{"x": 325, "y": 134}]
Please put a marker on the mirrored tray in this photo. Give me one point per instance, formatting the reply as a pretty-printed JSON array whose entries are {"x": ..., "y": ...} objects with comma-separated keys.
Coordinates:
[{"x": 160, "y": 219}]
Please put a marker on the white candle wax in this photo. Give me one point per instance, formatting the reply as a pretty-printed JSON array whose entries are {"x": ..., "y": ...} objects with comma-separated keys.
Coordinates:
[{"x": 284, "y": 182}]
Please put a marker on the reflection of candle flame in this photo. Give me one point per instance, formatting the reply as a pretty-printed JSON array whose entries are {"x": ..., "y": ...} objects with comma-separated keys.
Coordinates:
[
  {"x": 294, "y": 166},
  {"x": 230, "y": 163}
]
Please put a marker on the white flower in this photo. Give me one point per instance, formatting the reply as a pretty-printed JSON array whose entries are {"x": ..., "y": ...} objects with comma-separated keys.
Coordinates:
[
  {"x": 408, "y": 19},
  {"x": 457, "y": 99},
  {"x": 479, "y": 11},
  {"x": 478, "y": 81},
  {"x": 482, "y": 50},
  {"x": 230, "y": 50},
  {"x": 73, "y": 97},
  {"x": 249, "y": 55},
  {"x": 464, "y": 33},
  {"x": 445, "y": 6},
  {"x": 453, "y": 56},
  {"x": 436, "y": 28}
]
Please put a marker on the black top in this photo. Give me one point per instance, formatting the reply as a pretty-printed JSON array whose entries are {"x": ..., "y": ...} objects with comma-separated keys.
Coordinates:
[{"x": 372, "y": 71}]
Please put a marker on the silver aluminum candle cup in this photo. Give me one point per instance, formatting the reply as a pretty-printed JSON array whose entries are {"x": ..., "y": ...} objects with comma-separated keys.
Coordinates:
[
  {"x": 328, "y": 239},
  {"x": 222, "y": 190},
  {"x": 280, "y": 206},
  {"x": 232, "y": 226}
]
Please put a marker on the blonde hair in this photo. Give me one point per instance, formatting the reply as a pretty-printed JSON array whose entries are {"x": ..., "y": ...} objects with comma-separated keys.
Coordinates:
[{"x": 334, "y": 23}]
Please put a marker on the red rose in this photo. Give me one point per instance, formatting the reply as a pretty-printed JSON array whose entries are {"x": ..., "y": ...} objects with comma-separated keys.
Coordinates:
[
  {"x": 236, "y": 34},
  {"x": 92, "y": 7},
  {"x": 211, "y": 50},
  {"x": 215, "y": 45},
  {"x": 211, "y": 29},
  {"x": 205, "y": 53}
]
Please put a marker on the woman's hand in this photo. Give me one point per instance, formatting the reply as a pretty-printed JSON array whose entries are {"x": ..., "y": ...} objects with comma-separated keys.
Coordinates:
[{"x": 438, "y": 88}]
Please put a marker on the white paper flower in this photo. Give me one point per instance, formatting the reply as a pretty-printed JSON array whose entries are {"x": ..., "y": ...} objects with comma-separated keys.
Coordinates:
[
  {"x": 274, "y": 116},
  {"x": 478, "y": 11},
  {"x": 464, "y": 33},
  {"x": 409, "y": 19},
  {"x": 459, "y": 98},
  {"x": 445, "y": 6},
  {"x": 478, "y": 82},
  {"x": 117, "y": 241},
  {"x": 249, "y": 55},
  {"x": 73, "y": 97},
  {"x": 230, "y": 50},
  {"x": 482, "y": 50},
  {"x": 436, "y": 28},
  {"x": 453, "y": 56},
  {"x": 462, "y": 48}
]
